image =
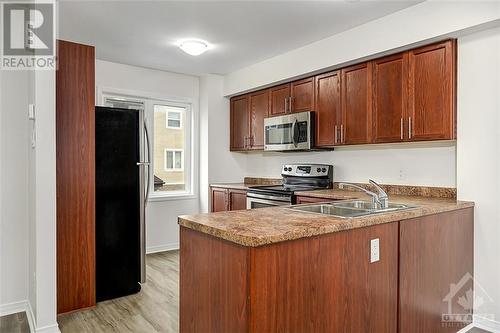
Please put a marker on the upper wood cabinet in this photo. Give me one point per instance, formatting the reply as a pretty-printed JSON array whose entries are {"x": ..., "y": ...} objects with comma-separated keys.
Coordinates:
[
  {"x": 279, "y": 99},
  {"x": 409, "y": 96},
  {"x": 259, "y": 109},
  {"x": 356, "y": 125},
  {"x": 390, "y": 81},
  {"x": 431, "y": 102},
  {"x": 239, "y": 122},
  {"x": 328, "y": 111},
  {"x": 302, "y": 95}
]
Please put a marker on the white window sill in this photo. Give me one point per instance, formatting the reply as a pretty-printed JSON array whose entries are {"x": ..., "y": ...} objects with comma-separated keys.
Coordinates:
[{"x": 171, "y": 197}]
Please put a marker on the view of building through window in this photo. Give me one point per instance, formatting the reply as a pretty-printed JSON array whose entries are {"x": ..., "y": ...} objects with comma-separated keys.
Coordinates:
[{"x": 169, "y": 147}]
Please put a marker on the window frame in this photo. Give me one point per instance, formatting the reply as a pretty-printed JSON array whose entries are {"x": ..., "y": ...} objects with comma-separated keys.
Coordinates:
[
  {"x": 191, "y": 121},
  {"x": 180, "y": 120},
  {"x": 174, "y": 169}
]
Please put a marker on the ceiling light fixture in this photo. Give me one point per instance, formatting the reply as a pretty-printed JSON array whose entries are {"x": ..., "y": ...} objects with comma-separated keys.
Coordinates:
[{"x": 194, "y": 47}]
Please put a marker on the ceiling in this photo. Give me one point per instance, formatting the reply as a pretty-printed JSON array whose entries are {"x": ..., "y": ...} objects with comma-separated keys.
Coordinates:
[{"x": 143, "y": 33}]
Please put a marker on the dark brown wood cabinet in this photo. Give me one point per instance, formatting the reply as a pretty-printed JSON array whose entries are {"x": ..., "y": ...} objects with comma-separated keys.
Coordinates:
[
  {"x": 259, "y": 109},
  {"x": 356, "y": 125},
  {"x": 239, "y": 122},
  {"x": 315, "y": 284},
  {"x": 328, "y": 109},
  {"x": 302, "y": 95},
  {"x": 226, "y": 199},
  {"x": 432, "y": 85},
  {"x": 75, "y": 176},
  {"x": 306, "y": 200},
  {"x": 408, "y": 96},
  {"x": 390, "y": 90},
  {"x": 436, "y": 252},
  {"x": 279, "y": 99}
]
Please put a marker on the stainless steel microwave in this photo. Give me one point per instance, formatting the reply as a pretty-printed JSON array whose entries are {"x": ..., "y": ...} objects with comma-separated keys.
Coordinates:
[{"x": 289, "y": 132}]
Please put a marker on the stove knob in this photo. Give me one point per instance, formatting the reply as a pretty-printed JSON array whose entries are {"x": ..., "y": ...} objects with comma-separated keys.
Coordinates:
[
  {"x": 318, "y": 169},
  {"x": 324, "y": 169},
  {"x": 290, "y": 169}
]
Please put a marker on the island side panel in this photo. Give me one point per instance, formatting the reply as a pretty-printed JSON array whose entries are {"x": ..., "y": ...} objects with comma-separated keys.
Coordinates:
[
  {"x": 213, "y": 284},
  {"x": 326, "y": 283},
  {"x": 435, "y": 251}
]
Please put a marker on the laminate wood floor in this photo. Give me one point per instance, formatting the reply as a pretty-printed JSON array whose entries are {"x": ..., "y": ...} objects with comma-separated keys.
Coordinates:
[
  {"x": 154, "y": 309},
  {"x": 14, "y": 323}
]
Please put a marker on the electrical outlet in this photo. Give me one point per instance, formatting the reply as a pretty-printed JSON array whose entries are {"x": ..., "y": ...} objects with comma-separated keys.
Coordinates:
[
  {"x": 374, "y": 250},
  {"x": 31, "y": 111}
]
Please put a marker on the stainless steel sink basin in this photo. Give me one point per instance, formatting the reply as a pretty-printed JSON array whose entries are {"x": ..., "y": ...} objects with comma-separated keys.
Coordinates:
[{"x": 352, "y": 208}]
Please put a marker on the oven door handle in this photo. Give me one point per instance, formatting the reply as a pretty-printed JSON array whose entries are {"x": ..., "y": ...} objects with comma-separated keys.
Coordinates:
[{"x": 295, "y": 133}]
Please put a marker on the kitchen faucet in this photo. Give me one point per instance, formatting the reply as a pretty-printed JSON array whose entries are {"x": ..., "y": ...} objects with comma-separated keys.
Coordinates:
[{"x": 381, "y": 199}]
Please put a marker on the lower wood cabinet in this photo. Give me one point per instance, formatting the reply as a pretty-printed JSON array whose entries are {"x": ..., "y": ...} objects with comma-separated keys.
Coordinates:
[{"x": 224, "y": 199}]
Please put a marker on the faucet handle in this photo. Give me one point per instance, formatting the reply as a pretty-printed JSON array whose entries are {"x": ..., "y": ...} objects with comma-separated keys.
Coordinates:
[{"x": 381, "y": 192}]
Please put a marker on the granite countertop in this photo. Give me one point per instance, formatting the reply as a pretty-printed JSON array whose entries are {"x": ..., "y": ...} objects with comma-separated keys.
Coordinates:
[{"x": 263, "y": 226}]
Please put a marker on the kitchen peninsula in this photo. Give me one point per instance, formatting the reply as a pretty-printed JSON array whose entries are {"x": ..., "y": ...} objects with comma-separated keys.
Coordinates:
[{"x": 281, "y": 269}]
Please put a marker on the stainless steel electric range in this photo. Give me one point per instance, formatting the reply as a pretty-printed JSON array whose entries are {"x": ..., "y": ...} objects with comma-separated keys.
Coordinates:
[{"x": 296, "y": 177}]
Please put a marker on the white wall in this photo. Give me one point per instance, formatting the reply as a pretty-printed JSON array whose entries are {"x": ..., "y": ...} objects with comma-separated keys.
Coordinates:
[
  {"x": 216, "y": 162},
  {"x": 410, "y": 164},
  {"x": 162, "y": 231},
  {"x": 413, "y": 25},
  {"x": 478, "y": 154},
  {"x": 14, "y": 187}
]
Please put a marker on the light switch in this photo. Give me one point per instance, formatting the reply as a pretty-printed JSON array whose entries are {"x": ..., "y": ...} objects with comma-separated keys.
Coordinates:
[
  {"x": 374, "y": 250},
  {"x": 31, "y": 112}
]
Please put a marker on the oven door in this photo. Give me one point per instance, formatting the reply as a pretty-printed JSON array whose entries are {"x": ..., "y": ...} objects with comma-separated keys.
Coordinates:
[
  {"x": 289, "y": 132},
  {"x": 255, "y": 200}
]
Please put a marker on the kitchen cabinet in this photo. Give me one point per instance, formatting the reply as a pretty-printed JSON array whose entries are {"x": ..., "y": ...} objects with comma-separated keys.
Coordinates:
[
  {"x": 226, "y": 199},
  {"x": 239, "y": 122},
  {"x": 304, "y": 200},
  {"x": 237, "y": 199},
  {"x": 315, "y": 284},
  {"x": 328, "y": 109},
  {"x": 259, "y": 109},
  {"x": 302, "y": 95},
  {"x": 279, "y": 99},
  {"x": 436, "y": 252},
  {"x": 75, "y": 176},
  {"x": 356, "y": 125},
  {"x": 390, "y": 82},
  {"x": 404, "y": 97},
  {"x": 432, "y": 85}
]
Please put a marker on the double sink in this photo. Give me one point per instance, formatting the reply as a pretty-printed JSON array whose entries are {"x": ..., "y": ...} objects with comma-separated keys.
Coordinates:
[{"x": 353, "y": 208}]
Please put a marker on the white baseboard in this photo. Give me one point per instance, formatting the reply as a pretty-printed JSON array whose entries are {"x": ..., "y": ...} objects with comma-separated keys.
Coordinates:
[
  {"x": 25, "y": 306},
  {"x": 162, "y": 248},
  {"x": 487, "y": 324},
  {"x": 15, "y": 307}
]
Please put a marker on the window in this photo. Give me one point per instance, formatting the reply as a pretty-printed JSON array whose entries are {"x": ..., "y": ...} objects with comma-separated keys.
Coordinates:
[
  {"x": 169, "y": 125},
  {"x": 174, "y": 119},
  {"x": 171, "y": 148},
  {"x": 174, "y": 159}
]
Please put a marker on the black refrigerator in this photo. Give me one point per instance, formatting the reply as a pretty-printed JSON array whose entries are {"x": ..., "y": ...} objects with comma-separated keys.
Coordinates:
[{"x": 121, "y": 189}]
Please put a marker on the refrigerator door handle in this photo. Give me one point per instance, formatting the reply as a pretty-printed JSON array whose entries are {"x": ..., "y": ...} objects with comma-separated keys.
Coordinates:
[{"x": 148, "y": 162}]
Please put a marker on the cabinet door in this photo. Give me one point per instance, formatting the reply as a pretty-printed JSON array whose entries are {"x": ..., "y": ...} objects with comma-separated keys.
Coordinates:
[
  {"x": 356, "y": 104},
  {"x": 259, "y": 109},
  {"x": 432, "y": 92},
  {"x": 279, "y": 97},
  {"x": 390, "y": 77},
  {"x": 302, "y": 95},
  {"x": 219, "y": 200},
  {"x": 327, "y": 109},
  {"x": 239, "y": 122},
  {"x": 435, "y": 252},
  {"x": 305, "y": 200},
  {"x": 237, "y": 200}
]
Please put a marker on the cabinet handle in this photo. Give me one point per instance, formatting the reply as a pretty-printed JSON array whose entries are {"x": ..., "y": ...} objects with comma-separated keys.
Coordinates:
[
  {"x": 342, "y": 133},
  {"x": 245, "y": 142},
  {"x": 290, "y": 104},
  {"x": 336, "y": 132},
  {"x": 401, "y": 129},
  {"x": 286, "y": 104},
  {"x": 409, "y": 127}
]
